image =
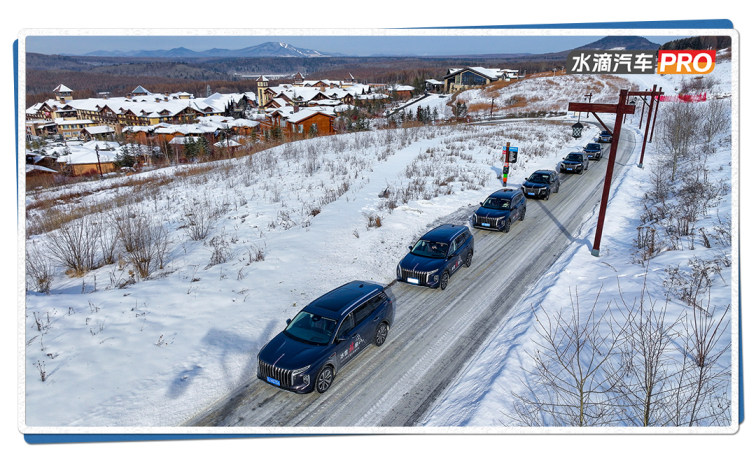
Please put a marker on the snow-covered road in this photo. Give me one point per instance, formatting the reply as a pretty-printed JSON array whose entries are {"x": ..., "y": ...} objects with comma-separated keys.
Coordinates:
[{"x": 435, "y": 332}]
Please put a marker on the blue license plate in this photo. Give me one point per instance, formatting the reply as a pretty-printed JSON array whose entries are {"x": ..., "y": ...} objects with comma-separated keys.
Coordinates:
[
  {"x": 274, "y": 381},
  {"x": 414, "y": 281},
  {"x": 486, "y": 224}
]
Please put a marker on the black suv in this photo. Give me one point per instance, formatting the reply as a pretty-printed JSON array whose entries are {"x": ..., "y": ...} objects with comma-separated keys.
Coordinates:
[
  {"x": 574, "y": 162},
  {"x": 325, "y": 335},
  {"x": 436, "y": 256},
  {"x": 500, "y": 209},
  {"x": 593, "y": 150},
  {"x": 541, "y": 184}
]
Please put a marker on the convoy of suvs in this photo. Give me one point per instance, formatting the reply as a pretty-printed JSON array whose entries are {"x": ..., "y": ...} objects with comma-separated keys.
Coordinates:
[{"x": 334, "y": 328}]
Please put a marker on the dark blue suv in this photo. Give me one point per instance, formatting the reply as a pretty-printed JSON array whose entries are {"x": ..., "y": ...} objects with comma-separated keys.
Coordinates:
[
  {"x": 500, "y": 209},
  {"x": 325, "y": 336},
  {"x": 541, "y": 184},
  {"x": 436, "y": 256}
]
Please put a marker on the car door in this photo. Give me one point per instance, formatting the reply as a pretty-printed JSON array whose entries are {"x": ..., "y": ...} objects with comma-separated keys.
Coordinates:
[
  {"x": 455, "y": 262},
  {"x": 366, "y": 319},
  {"x": 345, "y": 336}
]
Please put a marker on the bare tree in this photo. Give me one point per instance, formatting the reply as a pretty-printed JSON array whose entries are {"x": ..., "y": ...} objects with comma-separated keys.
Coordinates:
[
  {"x": 715, "y": 119},
  {"x": 649, "y": 364},
  {"x": 703, "y": 335},
  {"x": 678, "y": 130},
  {"x": 574, "y": 382}
]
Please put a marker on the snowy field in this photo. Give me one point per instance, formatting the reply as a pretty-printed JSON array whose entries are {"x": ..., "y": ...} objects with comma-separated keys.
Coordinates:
[
  {"x": 240, "y": 246},
  {"x": 247, "y": 244}
]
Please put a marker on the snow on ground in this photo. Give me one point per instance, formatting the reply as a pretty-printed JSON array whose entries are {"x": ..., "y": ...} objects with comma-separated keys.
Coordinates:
[
  {"x": 153, "y": 351},
  {"x": 119, "y": 350},
  {"x": 484, "y": 394},
  {"x": 432, "y": 102}
]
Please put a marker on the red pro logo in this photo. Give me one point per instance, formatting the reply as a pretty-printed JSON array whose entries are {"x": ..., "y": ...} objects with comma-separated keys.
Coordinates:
[{"x": 686, "y": 61}]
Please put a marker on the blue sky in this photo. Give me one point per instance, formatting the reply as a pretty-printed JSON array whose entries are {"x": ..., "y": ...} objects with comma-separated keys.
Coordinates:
[{"x": 349, "y": 45}]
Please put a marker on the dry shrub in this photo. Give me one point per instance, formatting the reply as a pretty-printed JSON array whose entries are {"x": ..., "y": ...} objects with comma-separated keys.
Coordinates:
[
  {"x": 74, "y": 245},
  {"x": 39, "y": 269},
  {"x": 144, "y": 241}
]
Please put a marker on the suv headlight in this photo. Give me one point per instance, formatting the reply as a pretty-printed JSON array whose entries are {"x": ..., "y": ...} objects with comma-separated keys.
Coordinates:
[
  {"x": 300, "y": 372},
  {"x": 398, "y": 271}
]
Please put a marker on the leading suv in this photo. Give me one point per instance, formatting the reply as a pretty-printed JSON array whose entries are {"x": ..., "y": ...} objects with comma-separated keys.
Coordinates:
[
  {"x": 500, "y": 209},
  {"x": 436, "y": 256},
  {"x": 324, "y": 336}
]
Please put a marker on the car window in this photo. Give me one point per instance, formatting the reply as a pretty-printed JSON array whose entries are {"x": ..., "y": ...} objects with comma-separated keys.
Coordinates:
[
  {"x": 311, "y": 328},
  {"x": 364, "y": 311},
  {"x": 430, "y": 249},
  {"x": 453, "y": 247},
  {"x": 346, "y": 325},
  {"x": 496, "y": 203}
]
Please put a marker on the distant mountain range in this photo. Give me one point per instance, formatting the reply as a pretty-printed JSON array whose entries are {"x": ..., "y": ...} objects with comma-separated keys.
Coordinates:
[
  {"x": 285, "y": 50},
  {"x": 621, "y": 43},
  {"x": 264, "y": 50}
]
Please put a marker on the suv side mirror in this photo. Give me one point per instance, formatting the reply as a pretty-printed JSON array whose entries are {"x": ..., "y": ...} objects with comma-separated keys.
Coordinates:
[{"x": 288, "y": 320}]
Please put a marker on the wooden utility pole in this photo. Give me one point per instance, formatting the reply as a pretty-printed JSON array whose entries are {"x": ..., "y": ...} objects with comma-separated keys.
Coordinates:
[
  {"x": 654, "y": 94},
  {"x": 99, "y": 166},
  {"x": 619, "y": 110}
]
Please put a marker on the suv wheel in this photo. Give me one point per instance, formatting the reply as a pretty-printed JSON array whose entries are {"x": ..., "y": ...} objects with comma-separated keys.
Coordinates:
[
  {"x": 324, "y": 379},
  {"x": 557, "y": 188},
  {"x": 468, "y": 259},
  {"x": 548, "y": 193},
  {"x": 444, "y": 281},
  {"x": 522, "y": 214},
  {"x": 381, "y": 333},
  {"x": 507, "y": 224}
]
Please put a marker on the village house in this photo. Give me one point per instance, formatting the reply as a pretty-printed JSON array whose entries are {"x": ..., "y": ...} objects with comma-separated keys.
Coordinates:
[
  {"x": 296, "y": 122},
  {"x": 139, "y": 108},
  {"x": 92, "y": 158},
  {"x": 403, "y": 92},
  {"x": 463, "y": 78}
]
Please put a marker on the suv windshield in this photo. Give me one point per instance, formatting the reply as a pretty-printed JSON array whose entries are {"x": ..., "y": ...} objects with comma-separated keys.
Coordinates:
[
  {"x": 593, "y": 146},
  {"x": 539, "y": 178},
  {"x": 575, "y": 157},
  {"x": 311, "y": 328},
  {"x": 497, "y": 203},
  {"x": 433, "y": 249}
]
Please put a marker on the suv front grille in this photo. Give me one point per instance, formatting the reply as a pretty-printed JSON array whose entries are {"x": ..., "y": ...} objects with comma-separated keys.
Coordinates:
[
  {"x": 281, "y": 374},
  {"x": 421, "y": 276},
  {"x": 535, "y": 190},
  {"x": 480, "y": 220}
]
